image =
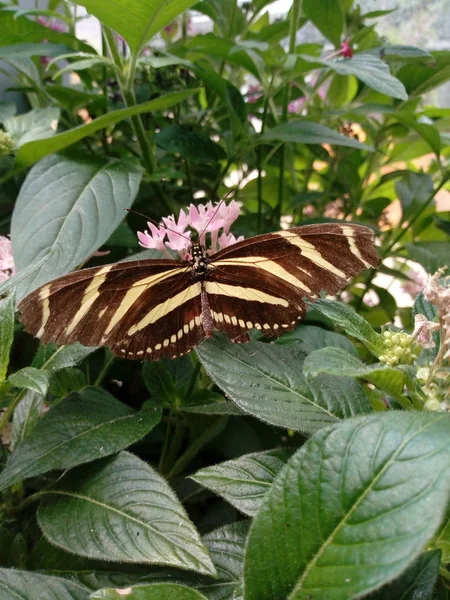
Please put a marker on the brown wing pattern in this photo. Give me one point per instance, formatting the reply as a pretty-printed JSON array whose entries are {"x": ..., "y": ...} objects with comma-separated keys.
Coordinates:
[
  {"x": 136, "y": 308},
  {"x": 285, "y": 266},
  {"x": 152, "y": 309}
]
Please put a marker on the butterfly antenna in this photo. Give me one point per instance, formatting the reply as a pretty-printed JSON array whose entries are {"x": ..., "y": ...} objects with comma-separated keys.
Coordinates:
[
  {"x": 131, "y": 210},
  {"x": 227, "y": 195}
]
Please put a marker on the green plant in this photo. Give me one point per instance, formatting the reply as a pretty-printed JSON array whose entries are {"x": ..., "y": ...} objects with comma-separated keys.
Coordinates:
[{"x": 313, "y": 467}]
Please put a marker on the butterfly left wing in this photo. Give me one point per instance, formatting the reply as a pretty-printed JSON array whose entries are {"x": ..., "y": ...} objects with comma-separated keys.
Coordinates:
[
  {"x": 140, "y": 309},
  {"x": 261, "y": 282}
]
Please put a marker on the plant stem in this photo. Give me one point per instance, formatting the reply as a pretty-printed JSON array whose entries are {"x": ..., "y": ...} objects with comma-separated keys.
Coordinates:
[
  {"x": 259, "y": 158},
  {"x": 293, "y": 25},
  {"x": 193, "y": 380},
  {"x": 196, "y": 446},
  {"x": 173, "y": 447},
  {"x": 11, "y": 408},
  {"x": 108, "y": 362}
]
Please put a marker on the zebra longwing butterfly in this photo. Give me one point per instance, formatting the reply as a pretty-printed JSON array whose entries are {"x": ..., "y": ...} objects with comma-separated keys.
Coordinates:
[{"x": 151, "y": 309}]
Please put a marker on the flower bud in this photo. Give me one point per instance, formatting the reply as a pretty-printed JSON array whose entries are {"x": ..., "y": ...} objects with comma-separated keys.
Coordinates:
[{"x": 6, "y": 143}]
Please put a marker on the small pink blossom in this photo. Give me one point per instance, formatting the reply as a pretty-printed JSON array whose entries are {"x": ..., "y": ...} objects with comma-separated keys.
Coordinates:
[
  {"x": 205, "y": 219},
  {"x": 296, "y": 105},
  {"x": 254, "y": 93},
  {"x": 346, "y": 50},
  {"x": 154, "y": 239},
  {"x": 6, "y": 259},
  {"x": 423, "y": 331},
  {"x": 225, "y": 240}
]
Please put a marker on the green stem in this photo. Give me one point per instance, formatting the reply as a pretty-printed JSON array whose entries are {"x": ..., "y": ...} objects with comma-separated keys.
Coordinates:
[
  {"x": 33, "y": 498},
  {"x": 293, "y": 26},
  {"x": 11, "y": 408},
  {"x": 164, "y": 449},
  {"x": 259, "y": 159},
  {"x": 193, "y": 380},
  {"x": 174, "y": 447},
  {"x": 196, "y": 446},
  {"x": 108, "y": 362}
]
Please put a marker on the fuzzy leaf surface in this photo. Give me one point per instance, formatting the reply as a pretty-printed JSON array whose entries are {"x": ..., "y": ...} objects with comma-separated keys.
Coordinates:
[{"x": 351, "y": 509}]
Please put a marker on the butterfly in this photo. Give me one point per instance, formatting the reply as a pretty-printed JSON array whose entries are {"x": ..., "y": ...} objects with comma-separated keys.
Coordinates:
[{"x": 151, "y": 309}]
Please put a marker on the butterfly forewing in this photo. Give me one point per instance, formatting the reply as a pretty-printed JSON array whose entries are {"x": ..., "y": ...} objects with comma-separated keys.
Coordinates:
[{"x": 151, "y": 309}]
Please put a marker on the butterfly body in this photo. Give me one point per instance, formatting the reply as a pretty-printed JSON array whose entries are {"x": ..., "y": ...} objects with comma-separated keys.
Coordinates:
[{"x": 151, "y": 309}]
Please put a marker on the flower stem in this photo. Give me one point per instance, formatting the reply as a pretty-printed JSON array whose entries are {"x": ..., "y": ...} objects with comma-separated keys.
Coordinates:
[
  {"x": 11, "y": 408},
  {"x": 293, "y": 26}
]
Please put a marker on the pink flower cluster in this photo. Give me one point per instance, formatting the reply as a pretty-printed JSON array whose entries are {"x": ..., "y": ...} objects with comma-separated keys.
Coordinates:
[
  {"x": 6, "y": 259},
  {"x": 204, "y": 219},
  {"x": 346, "y": 50}
]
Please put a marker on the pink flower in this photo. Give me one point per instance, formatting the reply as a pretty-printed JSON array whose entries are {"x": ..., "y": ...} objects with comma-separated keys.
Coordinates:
[
  {"x": 155, "y": 239},
  {"x": 346, "y": 50},
  {"x": 225, "y": 240},
  {"x": 423, "y": 331},
  {"x": 296, "y": 105},
  {"x": 55, "y": 26},
  {"x": 253, "y": 93},
  {"x": 6, "y": 259},
  {"x": 204, "y": 218}
]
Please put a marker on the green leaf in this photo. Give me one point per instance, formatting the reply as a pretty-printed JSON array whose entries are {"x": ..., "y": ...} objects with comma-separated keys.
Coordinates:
[
  {"x": 307, "y": 132},
  {"x": 338, "y": 362},
  {"x": 352, "y": 508},
  {"x": 308, "y": 338},
  {"x": 416, "y": 583},
  {"x": 62, "y": 357},
  {"x": 86, "y": 63},
  {"x": 413, "y": 190},
  {"x": 244, "y": 481},
  {"x": 26, "y": 416},
  {"x": 85, "y": 426},
  {"x": 30, "y": 379},
  {"x": 372, "y": 71},
  {"x": 267, "y": 382},
  {"x": 419, "y": 78},
  {"x": 431, "y": 255},
  {"x": 34, "y": 586},
  {"x": 6, "y": 333},
  {"x": 152, "y": 591},
  {"x": 226, "y": 546},
  {"x": 138, "y": 22},
  {"x": 29, "y": 50},
  {"x": 129, "y": 507},
  {"x": 346, "y": 317},
  {"x": 68, "y": 222},
  {"x": 33, "y": 151},
  {"x": 327, "y": 16},
  {"x": 16, "y": 29},
  {"x": 36, "y": 124}
]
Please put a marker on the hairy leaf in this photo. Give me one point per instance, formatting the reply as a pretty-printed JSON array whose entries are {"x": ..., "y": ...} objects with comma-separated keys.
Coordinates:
[
  {"x": 352, "y": 509},
  {"x": 120, "y": 509},
  {"x": 34, "y": 586}
]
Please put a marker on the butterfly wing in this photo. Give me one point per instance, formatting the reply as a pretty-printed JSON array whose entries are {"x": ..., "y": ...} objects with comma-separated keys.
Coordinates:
[
  {"x": 262, "y": 282},
  {"x": 140, "y": 309}
]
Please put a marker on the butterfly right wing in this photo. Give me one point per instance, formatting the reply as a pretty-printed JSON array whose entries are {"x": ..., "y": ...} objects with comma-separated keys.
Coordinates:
[{"x": 140, "y": 309}]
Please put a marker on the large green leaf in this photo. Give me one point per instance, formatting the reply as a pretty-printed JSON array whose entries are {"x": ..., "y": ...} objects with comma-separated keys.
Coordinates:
[
  {"x": 87, "y": 425},
  {"x": 22, "y": 585},
  {"x": 307, "y": 132},
  {"x": 120, "y": 509},
  {"x": 151, "y": 591},
  {"x": 431, "y": 255},
  {"x": 352, "y": 509},
  {"x": 266, "y": 380},
  {"x": 76, "y": 220},
  {"x": 137, "y": 21},
  {"x": 6, "y": 332},
  {"x": 244, "y": 480},
  {"x": 36, "y": 124},
  {"x": 413, "y": 190},
  {"x": 327, "y": 17},
  {"x": 53, "y": 358},
  {"x": 33, "y": 151},
  {"x": 28, "y": 50}
]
